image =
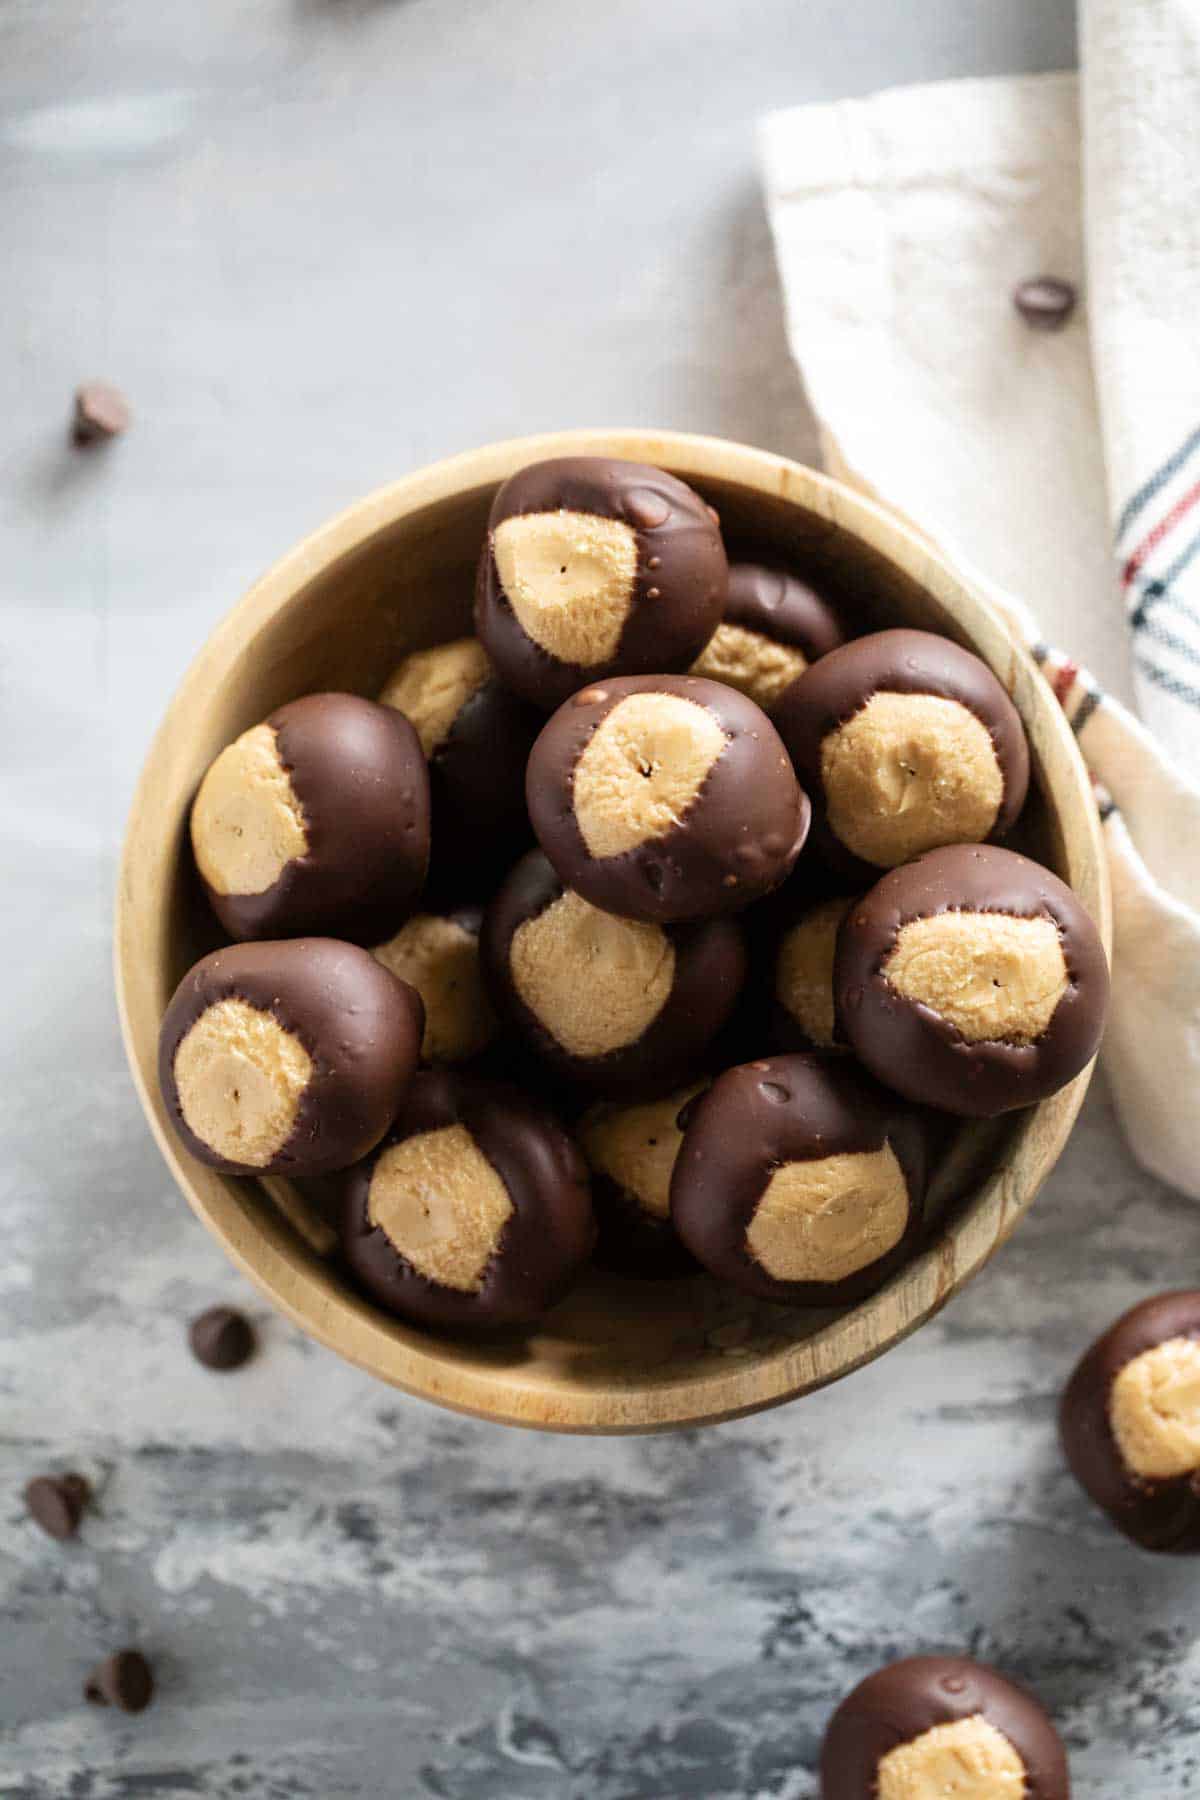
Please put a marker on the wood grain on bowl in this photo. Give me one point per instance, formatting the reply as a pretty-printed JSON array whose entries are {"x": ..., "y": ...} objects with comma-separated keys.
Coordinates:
[{"x": 394, "y": 574}]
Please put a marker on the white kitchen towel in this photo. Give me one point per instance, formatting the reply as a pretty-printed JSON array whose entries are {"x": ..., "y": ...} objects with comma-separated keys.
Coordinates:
[{"x": 902, "y": 223}]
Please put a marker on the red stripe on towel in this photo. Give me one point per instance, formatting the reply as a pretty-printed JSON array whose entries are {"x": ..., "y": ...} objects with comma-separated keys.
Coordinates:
[
  {"x": 1064, "y": 680},
  {"x": 1152, "y": 540}
]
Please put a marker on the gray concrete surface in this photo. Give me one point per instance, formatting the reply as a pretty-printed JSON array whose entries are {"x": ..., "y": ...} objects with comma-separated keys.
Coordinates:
[{"x": 320, "y": 243}]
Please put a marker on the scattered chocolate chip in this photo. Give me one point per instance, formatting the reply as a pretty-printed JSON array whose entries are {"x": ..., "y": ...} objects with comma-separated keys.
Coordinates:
[
  {"x": 1046, "y": 303},
  {"x": 123, "y": 1680},
  {"x": 221, "y": 1338},
  {"x": 101, "y": 412},
  {"x": 56, "y": 1503}
]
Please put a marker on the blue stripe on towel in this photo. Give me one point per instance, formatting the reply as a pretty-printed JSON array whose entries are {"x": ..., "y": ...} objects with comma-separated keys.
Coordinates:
[
  {"x": 1156, "y": 483},
  {"x": 1170, "y": 684},
  {"x": 1159, "y": 633},
  {"x": 1154, "y": 591}
]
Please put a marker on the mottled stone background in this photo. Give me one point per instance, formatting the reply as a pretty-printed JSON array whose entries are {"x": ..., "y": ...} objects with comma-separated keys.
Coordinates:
[{"x": 320, "y": 243}]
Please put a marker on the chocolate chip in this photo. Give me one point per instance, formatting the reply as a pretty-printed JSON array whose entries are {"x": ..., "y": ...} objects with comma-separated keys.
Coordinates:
[
  {"x": 1046, "y": 303},
  {"x": 123, "y": 1680},
  {"x": 101, "y": 412},
  {"x": 221, "y": 1338},
  {"x": 56, "y": 1503}
]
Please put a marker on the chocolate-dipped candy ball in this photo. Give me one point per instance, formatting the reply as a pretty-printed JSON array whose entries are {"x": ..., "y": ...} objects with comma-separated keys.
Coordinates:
[
  {"x": 1130, "y": 1423},
  {"x": 315, "y": 821},
  {"x": 774, "y": 625},
  {"x": 905, "y": 742},
  {"x": 631, "y": 1152},
  {"x": 665, "y": 797},
  {"x": 476, "y": 736},
  {"x": 474, "y": 1211},
  {"x": 594, "y": 567},
  {"x": 287, "y": 1058},
  {"x": 942, "y": 1728},
  {"x": 803, "y": 1015},
  {"x": 620, "y": 1005},
  {"x": 972, "y": 980},
  {"x": 438, "y": 955},
  {"x": 800, "y": 1180}
]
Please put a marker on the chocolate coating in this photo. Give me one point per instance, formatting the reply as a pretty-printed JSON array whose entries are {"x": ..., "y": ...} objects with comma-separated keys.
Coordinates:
[
  {"x": 738, "y": 840},
  {"x": 361, "y": 1027},
  {"x": 919, "y": 1053},
  {"x": 833, "y": 690},
  {"x": 477, "y": 791},
  {"x": 900, "y": 1702},
  {"x": 544, "y": 1243},
  {"x": 679, "y": 588},
  {"x": 357, "y": 770},
  {"x": 1159, "y": 1514},
  {"x": 761, "y": 1115},
  {"x": 710, "y": 968}
]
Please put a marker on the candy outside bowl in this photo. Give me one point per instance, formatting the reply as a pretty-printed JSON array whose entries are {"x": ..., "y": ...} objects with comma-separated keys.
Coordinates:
[{"x": 395, "y": 573}]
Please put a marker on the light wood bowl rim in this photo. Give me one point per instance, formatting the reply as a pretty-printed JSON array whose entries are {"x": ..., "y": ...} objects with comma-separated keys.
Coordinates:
[{"x": 281, "y": 1266}]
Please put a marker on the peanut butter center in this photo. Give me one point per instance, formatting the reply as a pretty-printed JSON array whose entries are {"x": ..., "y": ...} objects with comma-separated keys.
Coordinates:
[
  {"x": 908, "y": 773},
  {"x": 431, "y": 687},
  {"x": 824, "y": 1220},
  {"x": 440, "y": 958},
  {"x": 636, "y": 1147},
  {"x": 641, "y": 770},
  {"x": 247, "y": 822},
  {"x": 994, "y": 977},
  {"x": 442, "y": 1204},
  {"x": 1155, "y": 1411},
  {"x": 747, "y": 660},
  {"x": 569, "y": 578},
  {"x": 965, "y": 1760},
  {"x": 595, "y": 982},
  {"x": 804, "y": 970},
  {"x": 241, "y": 1077}
]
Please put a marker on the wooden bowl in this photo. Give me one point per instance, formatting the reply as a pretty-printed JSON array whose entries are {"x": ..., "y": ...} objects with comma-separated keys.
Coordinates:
[{"x": 395, "y": 573}]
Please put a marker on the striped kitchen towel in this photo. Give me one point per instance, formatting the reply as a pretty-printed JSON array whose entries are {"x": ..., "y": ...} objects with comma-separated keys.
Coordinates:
[
  {"x": 902, "y": 225},
  {"x": 1158, "y": 542}
]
